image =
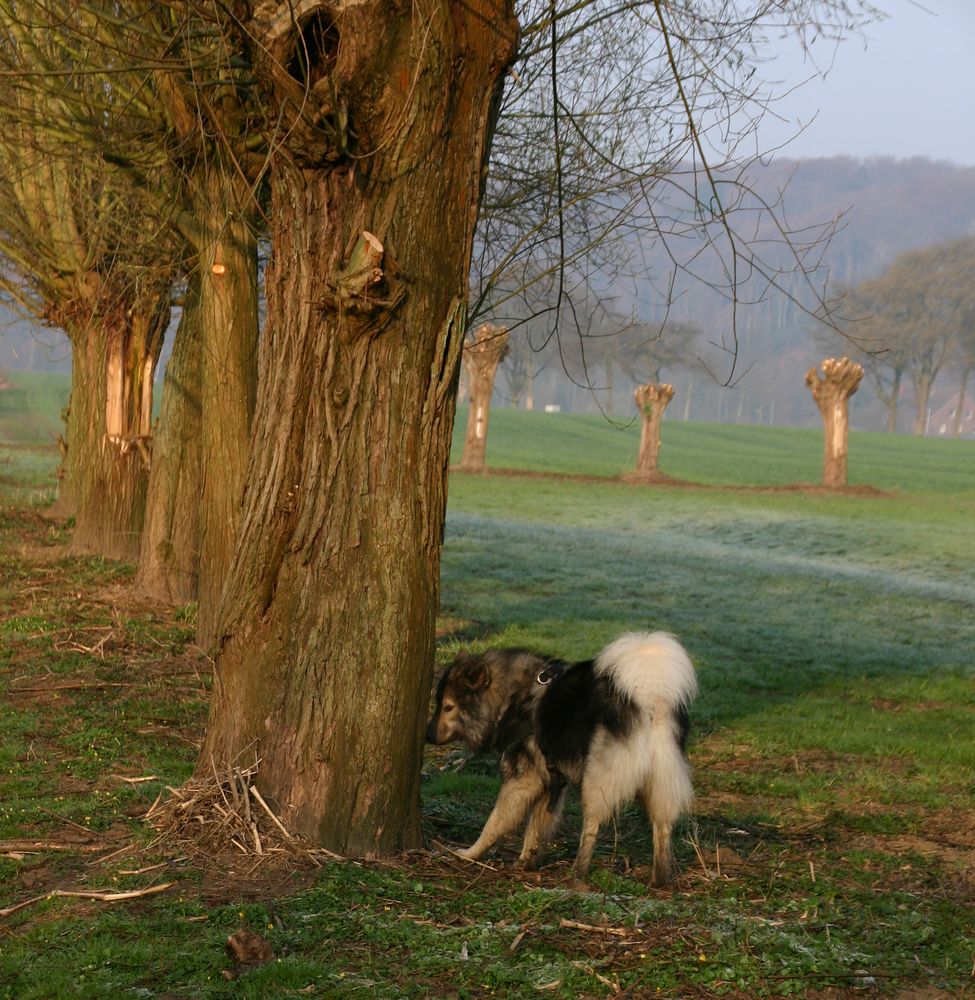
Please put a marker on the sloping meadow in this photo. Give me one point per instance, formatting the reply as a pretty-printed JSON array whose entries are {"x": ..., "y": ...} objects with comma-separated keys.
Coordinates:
[{"x": 832, "y": 847}]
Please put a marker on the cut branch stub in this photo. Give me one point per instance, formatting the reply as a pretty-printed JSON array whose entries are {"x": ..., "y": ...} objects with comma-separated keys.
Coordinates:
[
  {"x": 364, "y": 269},
  {"x": 362, "y": 289},
  {"x": 832, "y": 390},
  {"x": 482, "y": 355}
]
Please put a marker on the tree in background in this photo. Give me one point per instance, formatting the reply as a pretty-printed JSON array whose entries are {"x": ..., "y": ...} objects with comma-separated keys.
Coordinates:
[
  {"x": 832, "y": 390},
  {"x": 158, "y": 103},
  {"x": 482, "y": 355},
  {"x": 651, "y": 401},
  {"x": 169, "y": 556},
  {"x": 78, "y": 250},
  {"x": 912, "y": 319},
  {"x": 965, "y": 360}
]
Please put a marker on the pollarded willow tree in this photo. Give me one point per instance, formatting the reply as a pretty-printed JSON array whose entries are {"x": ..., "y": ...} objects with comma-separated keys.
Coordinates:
[
  {"x": 831, "y": 389},
  {"x": 651, "y": 401},
  {"x": 156, "y": 101},
  {"x": 327, "y": 624},
  {"x": 482, "y": 355},
  {"x": 79, "y": 251}
]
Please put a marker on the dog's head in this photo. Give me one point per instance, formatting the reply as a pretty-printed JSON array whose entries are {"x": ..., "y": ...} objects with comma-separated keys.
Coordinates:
[{"x": 458, "y": 712}]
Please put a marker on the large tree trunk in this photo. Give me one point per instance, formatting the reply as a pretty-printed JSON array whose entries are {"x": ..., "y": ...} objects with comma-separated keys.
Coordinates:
[
  {"x": 170, "y": 553},
  {"x": 922, "y": 393},
  {"x": 229, "y": 328},
  {"x": 325, "y": 655},
  {"x": 109, "y": 426},
  {"x": 832, "y": 391},
  {"x": 482, "y": 355}
]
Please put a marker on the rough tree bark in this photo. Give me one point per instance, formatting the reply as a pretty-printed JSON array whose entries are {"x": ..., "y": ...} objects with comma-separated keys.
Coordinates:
[
  {"x": 170, "y": 553},
  {"x": 229, "y": 327},
  {"x": 651, "y": 400},
  {"x": 105, "y": 469},
  {"x": 831, "y": 391},
  {"x": 482, "y": 355},
  {"x": 326, "y": 625}
]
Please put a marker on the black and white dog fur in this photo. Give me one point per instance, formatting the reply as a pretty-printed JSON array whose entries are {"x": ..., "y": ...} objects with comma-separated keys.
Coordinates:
[{"x": 615, "y": 726}]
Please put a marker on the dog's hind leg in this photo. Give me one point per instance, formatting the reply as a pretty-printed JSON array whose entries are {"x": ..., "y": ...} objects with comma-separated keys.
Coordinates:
[
  {"x": 597, "y": 808},
  {"x": 663, "y": 827},
  {"x": 665, "y": 796},
  {"x": 517, "y": 796},
  {"x": 543, "y": 820}
]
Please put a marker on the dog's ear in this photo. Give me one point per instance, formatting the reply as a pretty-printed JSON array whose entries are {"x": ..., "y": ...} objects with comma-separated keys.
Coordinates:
[{"x": 471, "y": 672}]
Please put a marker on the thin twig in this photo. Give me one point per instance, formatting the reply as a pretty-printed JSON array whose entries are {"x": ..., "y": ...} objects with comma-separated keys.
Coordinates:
[
  {"x": 593, "y": 928},
  {"x": 260, "y": 801}
]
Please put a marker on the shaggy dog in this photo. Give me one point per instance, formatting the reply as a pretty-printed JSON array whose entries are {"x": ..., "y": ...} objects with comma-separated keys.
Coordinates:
[{"x": 615, "y": 726}]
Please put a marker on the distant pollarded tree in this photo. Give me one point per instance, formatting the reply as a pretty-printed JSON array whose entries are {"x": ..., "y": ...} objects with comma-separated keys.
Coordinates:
[
  {"x": 651, "y": 401},
  {"x": 965, "y": 360},
  {"x": 831, "y": 390},
  {"x": 482, "y": 355}
]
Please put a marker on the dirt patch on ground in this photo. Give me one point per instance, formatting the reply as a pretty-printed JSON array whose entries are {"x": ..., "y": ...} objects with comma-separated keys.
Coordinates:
[{"x": 660, "y": 479}]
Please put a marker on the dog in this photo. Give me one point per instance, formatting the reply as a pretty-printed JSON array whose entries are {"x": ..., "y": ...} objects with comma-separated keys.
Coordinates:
[{"x": 616, "y": 727}]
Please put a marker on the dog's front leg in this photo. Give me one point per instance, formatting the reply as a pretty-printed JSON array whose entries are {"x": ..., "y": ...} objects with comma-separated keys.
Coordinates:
[{"x": 517, "y": 795}]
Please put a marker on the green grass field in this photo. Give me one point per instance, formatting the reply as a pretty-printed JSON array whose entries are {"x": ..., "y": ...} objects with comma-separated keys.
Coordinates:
[{"x": 832, "y": 849}]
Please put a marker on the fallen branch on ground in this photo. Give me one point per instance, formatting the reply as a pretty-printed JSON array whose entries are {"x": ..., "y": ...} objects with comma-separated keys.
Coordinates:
[{"x": 102, "y": 896}]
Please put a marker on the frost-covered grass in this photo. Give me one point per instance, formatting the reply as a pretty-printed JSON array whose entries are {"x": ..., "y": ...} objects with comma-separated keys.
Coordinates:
[{"x": 833, "y": 842}]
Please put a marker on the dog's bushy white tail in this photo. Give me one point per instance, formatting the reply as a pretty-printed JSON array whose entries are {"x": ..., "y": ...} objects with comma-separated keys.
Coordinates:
[
  {"x": 650, "y": 667},
  {"x": 653, "y": 669}
]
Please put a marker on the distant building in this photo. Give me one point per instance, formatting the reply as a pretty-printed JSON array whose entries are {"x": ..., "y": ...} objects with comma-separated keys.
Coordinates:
[{"x": 941, "y": 423}]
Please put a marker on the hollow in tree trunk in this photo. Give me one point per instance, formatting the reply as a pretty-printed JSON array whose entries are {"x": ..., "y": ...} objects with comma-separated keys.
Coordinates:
[
  {"x": 651, "y": 400},
  {"x": 482, "y": 355},
  {"x": 326, "y": 627},
  {"x": 832, "y": 390},
  {"x": 170, "y": 550}
]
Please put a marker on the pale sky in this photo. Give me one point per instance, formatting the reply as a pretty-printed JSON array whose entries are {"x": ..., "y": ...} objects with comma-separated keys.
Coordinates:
[{"x": 907, "y": 90}]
